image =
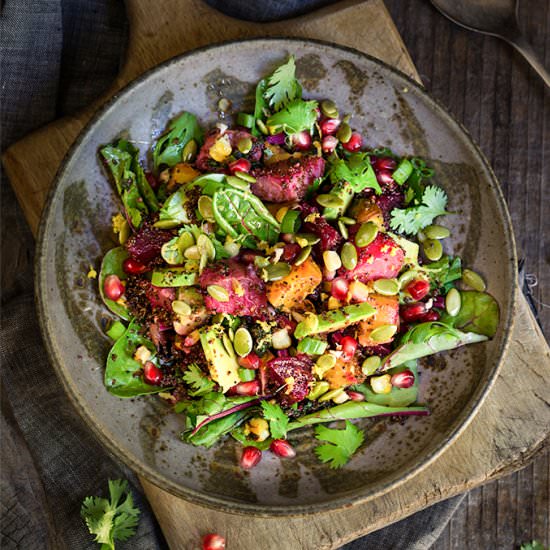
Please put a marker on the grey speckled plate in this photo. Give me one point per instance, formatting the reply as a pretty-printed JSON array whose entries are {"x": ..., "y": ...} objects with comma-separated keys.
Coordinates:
[{"x": 75, "y": 233}]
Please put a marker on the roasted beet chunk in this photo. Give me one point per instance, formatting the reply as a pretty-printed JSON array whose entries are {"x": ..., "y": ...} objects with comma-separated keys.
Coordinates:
[
  {"x": 145, "y": 245},
  {"x": 330, "y": 238},
  {"x": 294, "y": 373},
  {"x": 381, "y": 259},
  {"x": 205, "y": 162},
  {"x": 246, "y": 291},
  {"x": 287, "y": 180}
]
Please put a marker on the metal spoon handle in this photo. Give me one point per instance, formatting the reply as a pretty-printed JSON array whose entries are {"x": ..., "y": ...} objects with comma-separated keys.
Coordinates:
[{"x": 524, "y": 48}]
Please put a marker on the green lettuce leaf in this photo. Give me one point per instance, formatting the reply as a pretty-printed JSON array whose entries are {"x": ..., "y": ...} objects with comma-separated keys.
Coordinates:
[
  {"x": 112, "y": 265},
  {"x": 479, "y": 313}
]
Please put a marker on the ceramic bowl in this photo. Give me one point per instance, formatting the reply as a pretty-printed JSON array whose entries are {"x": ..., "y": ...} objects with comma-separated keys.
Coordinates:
[{"x": 390, "y": 110}]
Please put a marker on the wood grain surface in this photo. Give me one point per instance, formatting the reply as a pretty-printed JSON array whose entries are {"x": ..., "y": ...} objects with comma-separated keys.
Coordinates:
[{"x": 506, "y": 109}]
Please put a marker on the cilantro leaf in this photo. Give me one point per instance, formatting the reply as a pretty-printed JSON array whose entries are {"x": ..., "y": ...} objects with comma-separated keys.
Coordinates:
[
  {"x": 108, "y": 520},
  {"x": 356, "y": 170},
  {"x": 412, "y": 220},
  {"x": 278, "y": 420},
  {"x": 198, "y": 380},
  {"x": 341, "y": 444},
  {"x": 533, "y": 545},
  {"x": 282, "y": 86},
  {"x": 298, "y": 115}
]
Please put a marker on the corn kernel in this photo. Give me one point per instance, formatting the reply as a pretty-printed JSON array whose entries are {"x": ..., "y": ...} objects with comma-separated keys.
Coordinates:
[
  {"x": 258, "y": 428},
  {"x": 142, "y": 355},
  {"x": 381, "y": 384},
  {"x": 221, "y": 149}
]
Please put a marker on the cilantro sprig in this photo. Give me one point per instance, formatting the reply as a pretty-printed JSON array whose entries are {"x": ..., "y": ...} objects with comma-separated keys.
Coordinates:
[
  {"x": 414, "y": 219},
  {"x": 282, "y": 86},
  {"x": 111, "y": 520},
  {"x": 296, "y": 116},
  {"x": 277, "y": 419},
  {"x": 356, "y": 170},
  {"x": 198, "y": 380},
  {"x": 341, "y": 444}
]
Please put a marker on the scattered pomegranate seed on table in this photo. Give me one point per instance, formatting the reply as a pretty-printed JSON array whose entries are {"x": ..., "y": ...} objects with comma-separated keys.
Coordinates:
[
  {"x": 250, "y": 457},
  {"x": 282, "y": 448},
  {"x": 213, "y": 541}
]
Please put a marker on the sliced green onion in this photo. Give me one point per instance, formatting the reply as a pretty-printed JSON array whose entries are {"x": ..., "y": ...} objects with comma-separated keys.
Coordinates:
[
  {"x": 402, "y": 172},
  {"x": 116, "y": 330},
  {"x": 246, "y": 120},
  {"x": 247, "y": 375},
  {"x": 291, "y": 222},
  {"x": 312, "y": 346}
]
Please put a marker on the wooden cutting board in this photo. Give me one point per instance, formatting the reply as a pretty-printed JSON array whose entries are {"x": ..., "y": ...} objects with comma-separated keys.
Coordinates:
[{"x": 512, "y": 423}]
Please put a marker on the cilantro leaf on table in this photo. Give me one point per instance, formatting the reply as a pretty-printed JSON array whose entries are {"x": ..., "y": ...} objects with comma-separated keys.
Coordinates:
[
  {"x": 198, "y": 380},
  {"x": 415, "y": 218},
  {"x": 111, "y": 520},
  {"x": 296, "y": 116},
  {"x": 282, "y": 86},
  {"x": 341, "y": 444},
  {"x": 356, "y": 170},
  {"x": 533, "y": 545},
  {"x": 278, "y": 420}
]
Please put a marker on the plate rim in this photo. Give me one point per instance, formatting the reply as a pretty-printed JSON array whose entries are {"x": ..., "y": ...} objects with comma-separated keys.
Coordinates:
[{"x": 218, "y": 502}]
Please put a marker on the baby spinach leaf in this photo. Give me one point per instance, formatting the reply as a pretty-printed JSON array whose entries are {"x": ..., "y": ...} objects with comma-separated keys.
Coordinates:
[
  {"x": 122, "y": 376},
  {"x": 169, "y": 147},
  {"x": 427, "y": 339},
  {"x": 175, "y": 211},
  {"x": 112, "y": 265},
  {"x": 479, "y": 313},
  {"x": 211, "y": 432}
]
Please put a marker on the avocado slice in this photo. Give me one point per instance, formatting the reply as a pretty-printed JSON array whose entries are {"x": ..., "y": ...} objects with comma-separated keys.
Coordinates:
[
  {"x": 343, "y": 191},
  {"x": 221, "y": 358},
  {"x": 175, "y": 276}
]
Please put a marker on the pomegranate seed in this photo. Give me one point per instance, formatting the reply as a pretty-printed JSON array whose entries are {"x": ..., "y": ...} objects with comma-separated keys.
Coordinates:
[
  {"x": 354, "y": 143},
  {"x": 384, "y": 177},
  {"x": 439, "y": 302},
  {"x": 336, "y": 338},
  {"x": 403, "y": 380},
  {"x": 152, "y": 373},
  {"x": 113, "y": 287},
  {"x": 329, "y": 144},
  {"x": 250, "y": 457},
  {"x": 339, "y": 288},
  {"x": 241, "y": 165},
  {"x": 418, "y": 288},
  {"x": 282, "y": 448},
  {"x": 349, "y": 346},
  {"x": 302, "y": 140},
  {"x": 133, "y": 267},
  {"x": 413, "y": 312},
  {"x": 290, "y": 252},
  {"x": 213, "y": 541},
  {"x": 251, "y": 361},
  {"x": 385, "y": 163},
  {"x": 329, "y": 126},
  {"x": 355, "y": 395},
  {"x": 430, "y": 316},
  {"x": 246, "y": 388}
]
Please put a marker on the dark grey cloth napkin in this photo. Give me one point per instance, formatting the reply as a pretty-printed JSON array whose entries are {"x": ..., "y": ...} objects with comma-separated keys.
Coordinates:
[{"x": 57, "y": 55}]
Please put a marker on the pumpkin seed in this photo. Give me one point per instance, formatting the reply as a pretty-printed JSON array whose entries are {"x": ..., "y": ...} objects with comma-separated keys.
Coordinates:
[
  {"x": 205, "y": 208},
  {"x": 303, "y": 255},
  {"x": 366, "y": 234},
  {"x": 242, "y": 342},
  {"x": 319, "y": 389},
  {"x": 347, "y": 221},
  {"x": 332, "y": 260},
  {"x": 473, "y": 280},
  {"x": 237, "y": 183},
  {"x": 172, "y": 253},
  {"x": 344, "y": 132},
  {"x": 306, "y": 239},
  {"x": 436, "y": 232},
  {"x": 326, "y": 362},
  {"x": 205, "y": 247},
  {"x": 181, "y": 308},
  {"x": 245, "y": 176},
  {"x": 349, "y": 256},
  {"x": 331, "y": 395},
  {"x": 370, "y": 364},
  {"x": 227, "y": 344},
  {"x": 341, "y": 398},
  {"x": 186, "y": 240},
  {"x": 262, "y": 127},
  {"x": 381, "y": 384},
  {"x": 218, "y": 293},
  {"x": 432, "y": 249},
  {"x": 276, "y": 272},
  {"x": 329, "y": 109},
  {"x": 192, "y": 253},
  {"x": 343, "y": 229},
  {"x": 166, "y": 224},
  {"x": 280, "y": 339},
  {"x": 383, "y": 333},
  {"x": 260, "y": 262},
  {"x": 386, "y": 287},
  {"x": 329, "y": 201},
  {"x": 232, "y": 249},
  {"x": 244, "y": 145},
  {"x": 224, "y": 104},
  {"x": 453, "y": 302},
  {"x": 189, "y": 151}
]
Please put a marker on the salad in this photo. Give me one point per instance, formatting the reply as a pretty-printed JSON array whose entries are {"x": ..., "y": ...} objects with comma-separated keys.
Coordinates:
[{"x": 278, "y": 273}]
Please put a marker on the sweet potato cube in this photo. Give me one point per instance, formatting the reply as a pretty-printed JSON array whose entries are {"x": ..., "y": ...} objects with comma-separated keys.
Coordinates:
[{"x": 387, "y": 313}]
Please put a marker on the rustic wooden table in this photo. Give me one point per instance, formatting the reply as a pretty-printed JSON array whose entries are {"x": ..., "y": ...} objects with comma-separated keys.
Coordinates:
[{"x": 506, "y": 109}]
